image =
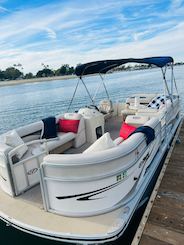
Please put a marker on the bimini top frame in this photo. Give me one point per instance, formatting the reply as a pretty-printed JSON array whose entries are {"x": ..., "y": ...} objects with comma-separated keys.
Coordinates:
[{"x": 103, "y": 66}]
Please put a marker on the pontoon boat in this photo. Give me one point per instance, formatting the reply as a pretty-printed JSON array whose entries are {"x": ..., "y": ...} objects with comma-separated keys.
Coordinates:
[{"x": 80, "y": 176}]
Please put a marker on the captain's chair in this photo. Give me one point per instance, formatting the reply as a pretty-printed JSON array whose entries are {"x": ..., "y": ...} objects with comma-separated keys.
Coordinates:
[{"x": 106, "y": 108}]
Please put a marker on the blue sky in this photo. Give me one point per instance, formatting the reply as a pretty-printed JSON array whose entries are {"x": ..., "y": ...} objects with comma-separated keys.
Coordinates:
[{"x": 56, "y": 32}]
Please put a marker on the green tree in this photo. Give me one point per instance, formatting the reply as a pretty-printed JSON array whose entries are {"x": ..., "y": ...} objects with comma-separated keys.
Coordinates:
[
  {"x": 45, "y": 73},
  {"x": 71, "y": 70},
  {"x": 64, "y": 70},
  {"x": 12, "y": 73},
  {"x": 29, "y": 75},
  {"x": 2, "y": 75}
]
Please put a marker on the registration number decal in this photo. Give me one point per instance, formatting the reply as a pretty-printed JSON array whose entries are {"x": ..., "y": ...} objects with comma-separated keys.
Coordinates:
[{"x": 121, "y": 176}]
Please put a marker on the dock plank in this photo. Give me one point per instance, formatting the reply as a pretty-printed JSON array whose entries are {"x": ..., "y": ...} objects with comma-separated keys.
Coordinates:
[
  {"x": 168, "y": 212},
  {"x": 161, "y": 235},
  {"x": 152, "y": 241},
  {"x": 164, "y": 225}
]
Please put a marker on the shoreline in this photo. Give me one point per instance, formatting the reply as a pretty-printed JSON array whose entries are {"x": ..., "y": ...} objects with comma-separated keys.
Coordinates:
[
  {"x": 34, "y": 80},
  {"x": 47, "y": 79}
]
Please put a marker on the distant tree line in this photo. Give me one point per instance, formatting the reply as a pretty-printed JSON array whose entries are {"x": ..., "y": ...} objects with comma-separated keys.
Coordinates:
[
  {"x": 16, "y": 72},
  {"x": 139, "y": 67},
  {"x": 179, "y": 63},
  {"x": 130, "y": 67},
  {"x": 62, "y": 71}
]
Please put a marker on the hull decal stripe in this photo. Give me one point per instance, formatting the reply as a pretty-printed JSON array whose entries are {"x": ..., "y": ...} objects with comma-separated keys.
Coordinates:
[{"x": 86, "y": 196}]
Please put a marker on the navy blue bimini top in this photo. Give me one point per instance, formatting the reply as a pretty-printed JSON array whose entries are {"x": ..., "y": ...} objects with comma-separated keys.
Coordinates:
[{"x": 103, "y": 66}]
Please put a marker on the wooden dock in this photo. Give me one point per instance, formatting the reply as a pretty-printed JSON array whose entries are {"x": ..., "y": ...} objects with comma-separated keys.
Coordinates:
[{"x": 163, "y": 219}]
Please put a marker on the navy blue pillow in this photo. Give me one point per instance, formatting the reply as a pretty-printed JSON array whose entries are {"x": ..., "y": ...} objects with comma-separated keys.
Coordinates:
[{"x": 50, "y": 130}]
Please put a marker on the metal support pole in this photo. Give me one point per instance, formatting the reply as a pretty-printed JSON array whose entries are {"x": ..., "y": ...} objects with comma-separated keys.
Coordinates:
[
  {"x": 104, "y": 86},
  {"x": 172, "y": 81},
  {"x": 73, "y": 95},
  {"x": 98, "y": 88},
  {"x": 87, "y": 91},
  {"x": 165, "y": 82}
]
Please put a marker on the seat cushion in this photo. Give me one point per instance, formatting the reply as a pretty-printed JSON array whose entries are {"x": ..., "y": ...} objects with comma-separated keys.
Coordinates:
[
  {"x": 13, "y": 139},
  {"x": 126, "y": 130},
  {"x": 103, "y": 143},
  {"x": 136, "y": 120},
  {"x": 68, "y": 125},
  {"x": 60, "y": 140}
]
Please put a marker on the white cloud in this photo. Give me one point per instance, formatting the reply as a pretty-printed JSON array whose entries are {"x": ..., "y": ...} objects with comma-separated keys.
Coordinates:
[
  {"x": 2, "y": 9},
  {"x": 51, "y": 33},
  {"x": 68, "y": 33},
  {"x": 170, "y": 43}
]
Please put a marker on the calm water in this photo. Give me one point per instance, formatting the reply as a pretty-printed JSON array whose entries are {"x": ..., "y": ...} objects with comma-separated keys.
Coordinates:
[{"x": 22, "y": 104}]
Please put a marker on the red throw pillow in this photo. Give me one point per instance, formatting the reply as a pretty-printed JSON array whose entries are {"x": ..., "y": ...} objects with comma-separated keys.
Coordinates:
[
  {"x": 66, "y": 125},
  {"x": 126, "y": 130}
]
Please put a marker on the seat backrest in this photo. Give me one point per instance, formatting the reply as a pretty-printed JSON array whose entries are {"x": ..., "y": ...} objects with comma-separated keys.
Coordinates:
[
  {"x": 143, "y": 98},
  {"x": 105, "y": 106},
  {"x": 31, "y": 131}
]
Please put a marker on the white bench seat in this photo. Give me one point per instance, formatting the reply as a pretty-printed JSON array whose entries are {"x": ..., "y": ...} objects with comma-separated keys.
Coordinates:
[
  {"x": 20, "y": 172},
  {"x": 60, "y": 140}
]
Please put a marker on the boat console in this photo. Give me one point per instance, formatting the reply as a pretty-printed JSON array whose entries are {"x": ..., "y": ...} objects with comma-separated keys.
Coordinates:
[{"x": 94, "y": 123}]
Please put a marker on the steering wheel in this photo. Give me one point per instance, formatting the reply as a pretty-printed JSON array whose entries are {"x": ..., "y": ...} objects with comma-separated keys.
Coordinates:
[{"x": 93, "y": 107}]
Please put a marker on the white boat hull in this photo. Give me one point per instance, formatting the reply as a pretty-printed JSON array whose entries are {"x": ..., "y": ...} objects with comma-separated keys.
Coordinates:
[{"x": 122, "y": 215}]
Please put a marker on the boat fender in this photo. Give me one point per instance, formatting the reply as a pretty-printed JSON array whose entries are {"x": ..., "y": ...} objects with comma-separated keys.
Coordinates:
[{"x": 147, "y": 131}]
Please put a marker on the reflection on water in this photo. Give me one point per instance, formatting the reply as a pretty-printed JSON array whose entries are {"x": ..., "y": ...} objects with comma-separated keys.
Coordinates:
[{"x": 25, "y": 103}]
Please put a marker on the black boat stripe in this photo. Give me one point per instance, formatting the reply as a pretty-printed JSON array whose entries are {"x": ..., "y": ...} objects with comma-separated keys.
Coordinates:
[
  {"x": 91, "y": 193},
  {"x": 3, "y": 178},
  {"x": 87, "y": 198}
]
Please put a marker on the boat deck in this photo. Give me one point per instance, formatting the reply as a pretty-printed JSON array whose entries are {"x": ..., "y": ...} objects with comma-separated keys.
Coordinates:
[
  {"x": 163, "y": 220},
  {"x": 26, "y": 211}
]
